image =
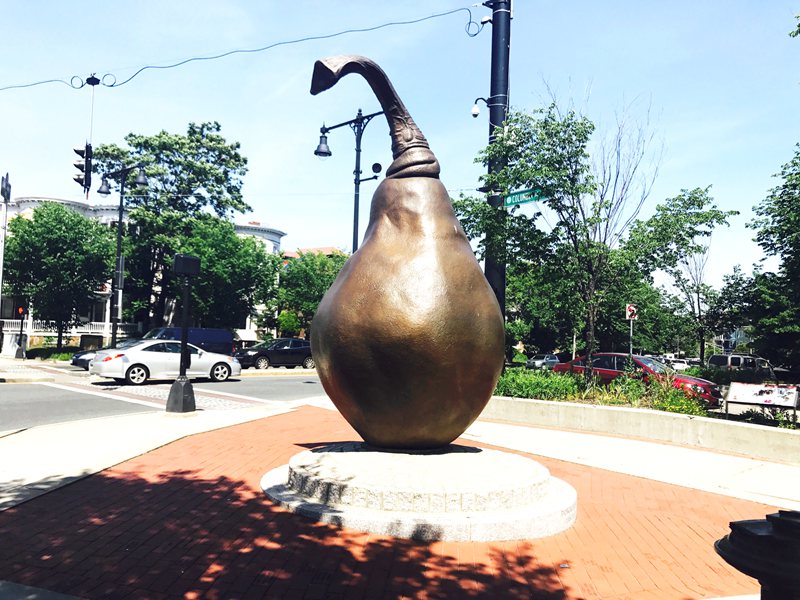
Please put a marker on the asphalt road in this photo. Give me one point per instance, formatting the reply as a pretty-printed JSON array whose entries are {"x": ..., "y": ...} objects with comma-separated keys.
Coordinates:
[{"x": 74, "y": 395}]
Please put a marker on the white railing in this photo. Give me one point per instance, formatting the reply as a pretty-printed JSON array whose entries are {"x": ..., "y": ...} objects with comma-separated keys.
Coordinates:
[{"x": 92, "y": 327}]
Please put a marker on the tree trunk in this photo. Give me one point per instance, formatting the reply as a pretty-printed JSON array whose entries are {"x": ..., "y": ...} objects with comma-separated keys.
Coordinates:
[
  {"x": 701, "y": 337},
  {"x": 60, "y": 338}
]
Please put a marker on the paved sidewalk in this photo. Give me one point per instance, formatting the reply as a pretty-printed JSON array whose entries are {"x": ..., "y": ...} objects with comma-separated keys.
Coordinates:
[{"x": 188, "y": 519}]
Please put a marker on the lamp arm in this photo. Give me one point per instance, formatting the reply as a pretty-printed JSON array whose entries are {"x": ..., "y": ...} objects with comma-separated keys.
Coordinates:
[{"x": 410, "y": 149}]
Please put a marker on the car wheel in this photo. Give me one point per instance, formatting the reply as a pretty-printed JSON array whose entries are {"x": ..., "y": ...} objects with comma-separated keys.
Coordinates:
[
  {"x": 137, "y": 375},
  {"x": 220, "y": 372},
  {"x": 308, "y": 363},
  {"x": 262, "y": 362}
]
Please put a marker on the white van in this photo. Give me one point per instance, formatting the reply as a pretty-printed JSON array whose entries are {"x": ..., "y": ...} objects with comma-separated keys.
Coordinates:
[{"x": 739, "y": 361}]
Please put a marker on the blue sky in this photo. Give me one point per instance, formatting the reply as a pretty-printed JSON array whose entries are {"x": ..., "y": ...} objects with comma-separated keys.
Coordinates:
[{"x": 721, "y": 81}]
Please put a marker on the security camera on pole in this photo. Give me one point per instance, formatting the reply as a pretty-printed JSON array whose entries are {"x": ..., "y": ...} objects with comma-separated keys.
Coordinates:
[{"x": 632, "y": 314}]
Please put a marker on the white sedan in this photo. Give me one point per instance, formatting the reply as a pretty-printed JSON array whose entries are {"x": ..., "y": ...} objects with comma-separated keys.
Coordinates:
[{"x": 161, "y": 359}]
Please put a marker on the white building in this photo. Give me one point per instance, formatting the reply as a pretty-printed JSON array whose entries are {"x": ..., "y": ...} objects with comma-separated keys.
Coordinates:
[{"x": 98, "y": 320}]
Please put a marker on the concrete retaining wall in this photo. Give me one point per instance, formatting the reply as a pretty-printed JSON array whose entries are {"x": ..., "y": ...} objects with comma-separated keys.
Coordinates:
[{"x": 756, "y": 441}]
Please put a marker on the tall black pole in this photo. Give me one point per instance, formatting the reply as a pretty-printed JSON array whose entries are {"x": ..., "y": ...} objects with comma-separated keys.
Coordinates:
[
  {"x": 181, "y": 394},
  {"x": 494, "y": 266},
  {"x": 185, "y": 327},
  {"x": 115, "y": 287},
  {"x": 358, "y": 128}
]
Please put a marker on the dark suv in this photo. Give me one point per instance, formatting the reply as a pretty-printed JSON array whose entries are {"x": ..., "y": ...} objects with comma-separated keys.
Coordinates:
[
  {"x": 286, "y": 352},
  {"x": 213, "y": 340}
]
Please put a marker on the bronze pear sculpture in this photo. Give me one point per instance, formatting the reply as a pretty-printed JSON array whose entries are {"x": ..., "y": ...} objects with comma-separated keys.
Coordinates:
[{"x": 408, "y": 341}]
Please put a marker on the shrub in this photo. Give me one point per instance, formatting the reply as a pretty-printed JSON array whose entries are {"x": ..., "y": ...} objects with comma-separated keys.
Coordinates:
[
  {"x": 519, "y": 358},
  {"x": 65, "y": 353},
  {"x": 774, "y": 417},
  {"x": 622, "y": 391},
  {"x": 543, "y": 385},
  {"x": 677, "y": 401}
]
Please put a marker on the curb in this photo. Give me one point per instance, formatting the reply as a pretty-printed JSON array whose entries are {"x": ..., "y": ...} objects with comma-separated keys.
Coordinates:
[
  {"x": 718, "y": 435},
  {"x": 13, "y": 378}
]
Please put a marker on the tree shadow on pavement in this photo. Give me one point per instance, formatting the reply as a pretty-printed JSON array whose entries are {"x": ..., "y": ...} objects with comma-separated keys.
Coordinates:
[{"x": 182, "y": 534}]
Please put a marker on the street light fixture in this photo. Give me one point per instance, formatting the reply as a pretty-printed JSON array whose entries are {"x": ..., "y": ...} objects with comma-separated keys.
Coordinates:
[
  {"x": 117, "y": 281},
  {"x": 323, "y": 151}
]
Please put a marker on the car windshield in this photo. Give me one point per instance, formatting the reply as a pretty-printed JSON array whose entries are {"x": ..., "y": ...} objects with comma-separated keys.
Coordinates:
[
  {"x": 656, "y": 366},
  {"x": 154, "y": 334},
  {"x": 540, "y": 357},
  {"x": 261, "y": 345}
]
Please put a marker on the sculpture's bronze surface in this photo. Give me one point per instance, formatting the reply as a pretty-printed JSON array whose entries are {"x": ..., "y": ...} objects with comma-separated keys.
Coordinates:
[{"x": 408, "y": 341}]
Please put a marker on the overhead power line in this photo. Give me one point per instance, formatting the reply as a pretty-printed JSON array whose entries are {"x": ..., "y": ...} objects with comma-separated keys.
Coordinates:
[{"x": 472, "y": 29}]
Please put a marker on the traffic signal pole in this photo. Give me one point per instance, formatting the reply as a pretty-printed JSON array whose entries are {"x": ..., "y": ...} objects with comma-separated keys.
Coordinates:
[{"x": 494, "y": 266}]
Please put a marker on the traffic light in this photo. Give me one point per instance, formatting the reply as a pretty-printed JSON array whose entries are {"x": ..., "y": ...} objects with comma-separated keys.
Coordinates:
[
  {"x": 21, "y": 311},
  {"x": 85, "y": 167}
]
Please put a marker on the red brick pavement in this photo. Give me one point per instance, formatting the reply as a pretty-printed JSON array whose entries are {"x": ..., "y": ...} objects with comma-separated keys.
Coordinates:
[{"x": 190, "y": 520}]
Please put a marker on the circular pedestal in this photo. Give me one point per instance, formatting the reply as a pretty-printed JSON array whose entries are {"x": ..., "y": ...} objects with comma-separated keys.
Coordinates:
[{"x": 457, "y": 493}]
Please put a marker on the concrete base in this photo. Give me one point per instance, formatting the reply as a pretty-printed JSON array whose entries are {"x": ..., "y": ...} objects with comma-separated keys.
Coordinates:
[
  {"x": 458, "y": 493},
  {"x": 181, "y": 396}
]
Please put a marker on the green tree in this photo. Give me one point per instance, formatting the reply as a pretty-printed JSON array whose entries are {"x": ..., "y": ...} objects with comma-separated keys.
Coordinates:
[
  {"x": 57, "y": 259},
  {"x": 775, "y": 300},
  {"x": 188, "y": 175},
  {"x": 288, "y": 323},
  {"x": 304, "y": 281},
  {"x": 593, "y": 202},
  {"x": 237, "y": 273},
  {"x": 673, "y": 240}
]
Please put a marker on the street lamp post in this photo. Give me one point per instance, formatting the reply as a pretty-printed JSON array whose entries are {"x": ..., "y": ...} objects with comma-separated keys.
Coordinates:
[
  {"x": 494, "y": 266},
  {"x": 117, "y": 280},
  {"x": 323, "y": 151},
  {"x": 5, "y": 193}
]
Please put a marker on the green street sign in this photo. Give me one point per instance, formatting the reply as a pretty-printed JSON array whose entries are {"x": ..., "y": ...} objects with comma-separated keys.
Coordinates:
[{"x": 521, "y": 197}]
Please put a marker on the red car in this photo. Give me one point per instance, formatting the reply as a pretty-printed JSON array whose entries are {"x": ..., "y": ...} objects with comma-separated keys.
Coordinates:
[{"x": 610, "y": 365}]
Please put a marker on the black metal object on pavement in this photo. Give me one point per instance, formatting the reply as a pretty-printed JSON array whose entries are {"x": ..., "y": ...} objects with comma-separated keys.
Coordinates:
[{"x": 767, "y": 550}]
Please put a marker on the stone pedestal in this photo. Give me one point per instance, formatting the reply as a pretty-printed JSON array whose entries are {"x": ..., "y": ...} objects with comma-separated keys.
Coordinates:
[{"x": 457, "y": 493}]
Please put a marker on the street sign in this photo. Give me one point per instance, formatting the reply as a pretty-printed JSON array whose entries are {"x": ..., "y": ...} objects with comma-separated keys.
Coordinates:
[
  {"x": 521, "y": 197},
  {"x": 631, "y": 313}
]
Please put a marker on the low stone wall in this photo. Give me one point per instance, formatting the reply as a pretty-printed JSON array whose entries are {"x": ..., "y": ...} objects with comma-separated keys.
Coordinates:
[{"x": 755, "y": 441}]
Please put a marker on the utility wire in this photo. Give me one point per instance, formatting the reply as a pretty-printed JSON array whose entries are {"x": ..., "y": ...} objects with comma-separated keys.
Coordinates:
[{"x": 472, "y": 28}]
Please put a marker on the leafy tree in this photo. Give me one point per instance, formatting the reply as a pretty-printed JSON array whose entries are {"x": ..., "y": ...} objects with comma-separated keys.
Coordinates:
[
  {"x": 56, "y": 259},
  {"x": 237, "y": 273},
  {"x": 188, "y": 176},
  {"x": 593, "y": 202},
  {"x": 796, "y": 32},
  {"x": 288, "y": 323},
  {"x": 672, "y": 240},
  {"x": 775, "y": 297},
  {"x": 304, "y": 281}
]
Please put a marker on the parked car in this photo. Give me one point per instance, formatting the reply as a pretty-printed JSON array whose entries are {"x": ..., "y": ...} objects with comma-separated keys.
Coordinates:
[
  {"x": 214, "y": 340},
  {"x": 286, "y": 352},
  {"x": 85, "y": 357},
  {"x": 161, "y": 359},
  {"x": 609, "y": 365},
  {"x": 542, "y": 361},
  {"x": 740, "y": 361},
  {"x": 679, "y": 364}
]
